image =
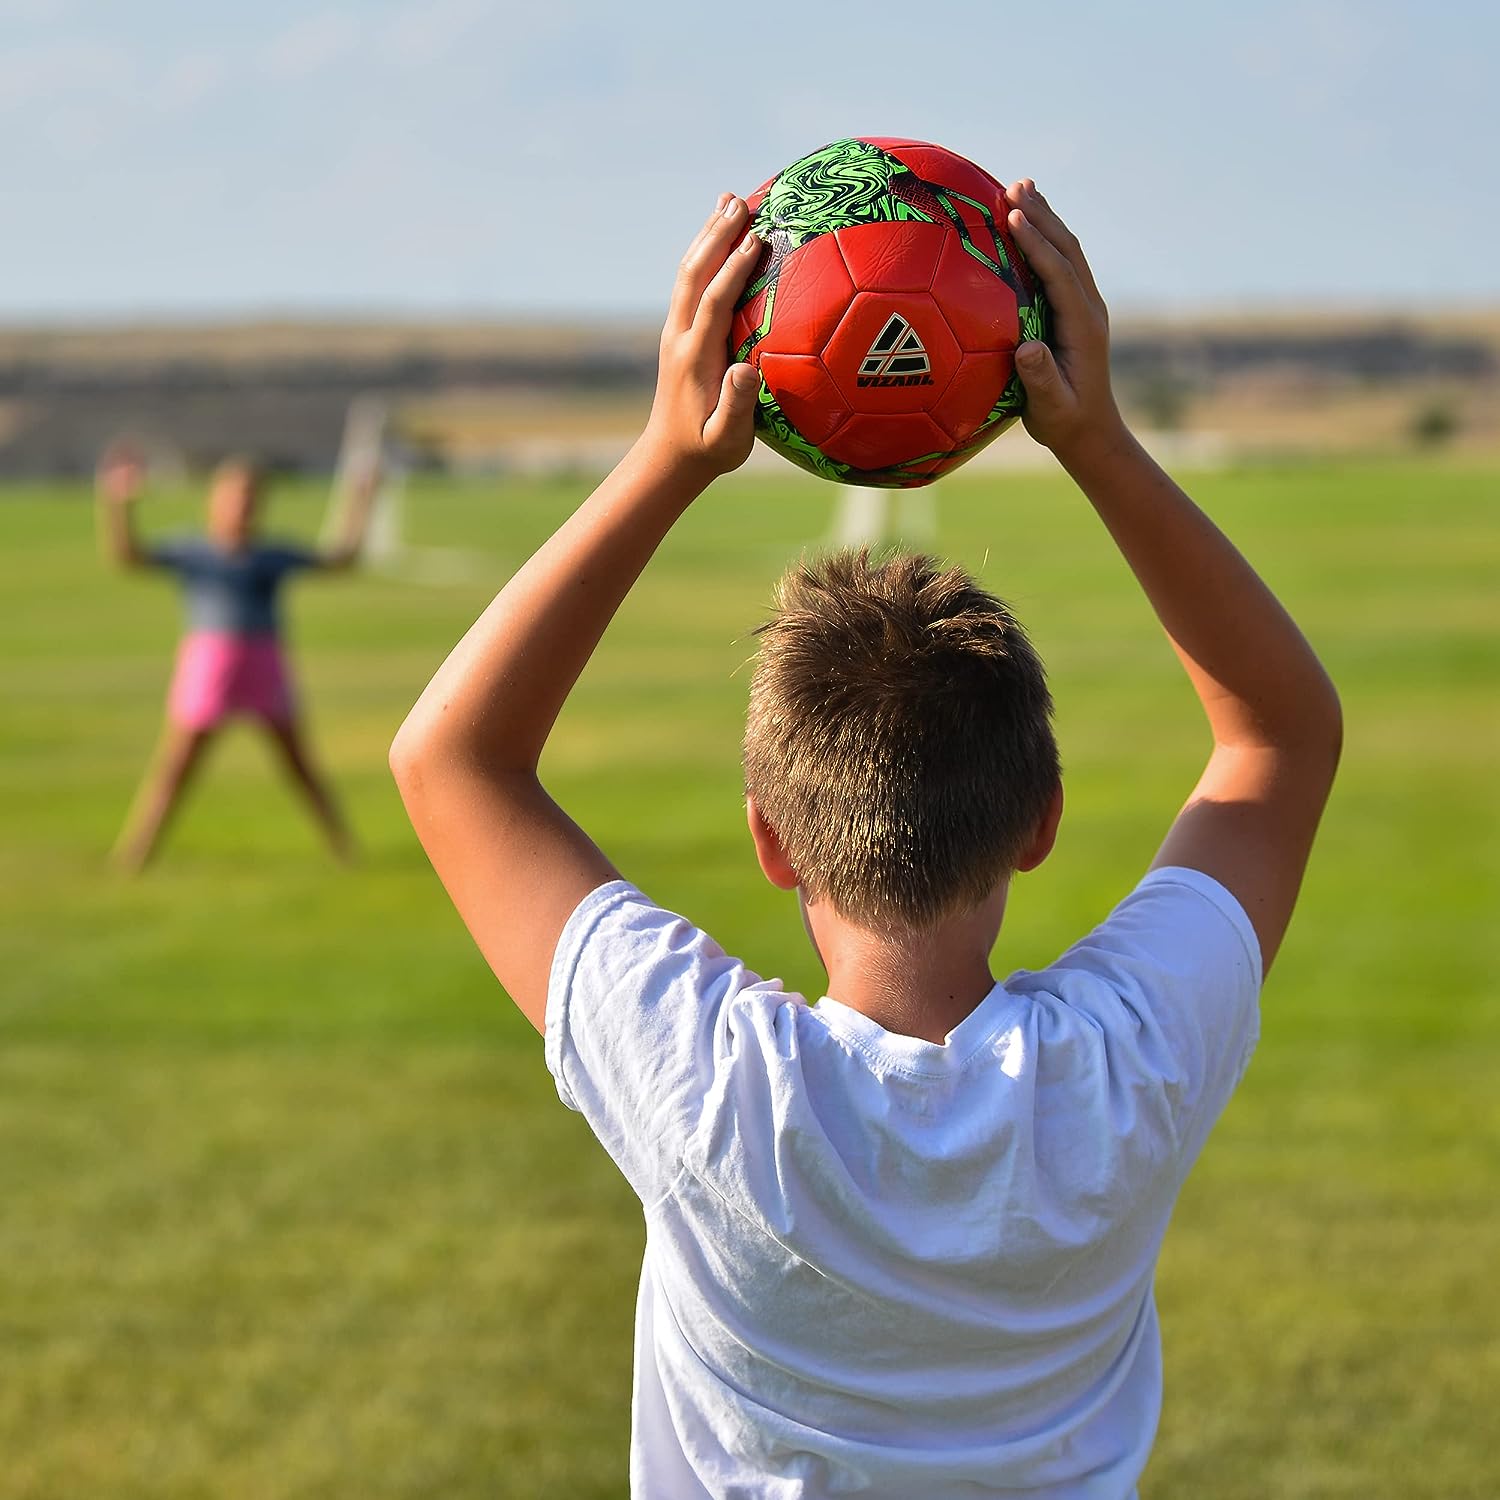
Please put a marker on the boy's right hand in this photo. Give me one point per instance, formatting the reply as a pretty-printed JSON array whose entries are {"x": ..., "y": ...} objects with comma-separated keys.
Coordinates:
[
  {"x": 1069, "y": 403},
  {"x": 703, "y": 417}
]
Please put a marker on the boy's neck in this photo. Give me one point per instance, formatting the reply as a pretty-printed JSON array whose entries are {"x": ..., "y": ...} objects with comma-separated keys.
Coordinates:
[{"x": 919, "y": 984}]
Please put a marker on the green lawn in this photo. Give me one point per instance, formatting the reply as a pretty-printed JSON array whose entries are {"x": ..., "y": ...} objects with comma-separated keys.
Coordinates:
[{"x": 288, "y": 1206}]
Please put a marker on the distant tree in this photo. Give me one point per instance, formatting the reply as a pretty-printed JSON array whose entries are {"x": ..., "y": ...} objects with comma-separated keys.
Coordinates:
[
  {"x": 1434, "y": 423},
  {"x": 1162, "y": 400}
]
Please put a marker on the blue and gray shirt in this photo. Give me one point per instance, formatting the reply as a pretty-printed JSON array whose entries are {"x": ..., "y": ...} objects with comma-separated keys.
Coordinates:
[{"x": 232, "y": 593}]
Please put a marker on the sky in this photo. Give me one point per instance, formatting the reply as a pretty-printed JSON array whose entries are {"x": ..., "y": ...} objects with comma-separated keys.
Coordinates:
[{"x": 484, "y": 158}]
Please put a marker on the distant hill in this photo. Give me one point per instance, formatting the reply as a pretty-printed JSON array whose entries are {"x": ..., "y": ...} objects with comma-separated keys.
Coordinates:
[{"x": 463, "y": 392}]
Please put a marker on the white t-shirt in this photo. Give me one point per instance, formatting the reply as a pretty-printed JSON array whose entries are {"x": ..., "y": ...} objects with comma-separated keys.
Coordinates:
[{"x": 884, "y": 1267}]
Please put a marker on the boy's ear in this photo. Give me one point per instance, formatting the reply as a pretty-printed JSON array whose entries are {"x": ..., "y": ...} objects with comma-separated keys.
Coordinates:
[
  {"x": 773, "y": 862},
  {"x": 1046, "y": 833}
]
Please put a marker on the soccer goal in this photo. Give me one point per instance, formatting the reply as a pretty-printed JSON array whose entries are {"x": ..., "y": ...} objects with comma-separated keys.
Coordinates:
[
  {"x": 868, "y": 517},
  {"x": 367, "y": 444}
]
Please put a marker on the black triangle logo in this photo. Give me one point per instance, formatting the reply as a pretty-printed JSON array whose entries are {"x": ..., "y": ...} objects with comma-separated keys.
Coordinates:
[{"x": 897, "y": 350}]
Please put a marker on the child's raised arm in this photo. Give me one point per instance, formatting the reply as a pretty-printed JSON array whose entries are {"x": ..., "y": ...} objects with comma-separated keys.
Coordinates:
[
  {"x": 359, "y": 500},
  {"x": 117, "y": 486},
  {"x": 1273, "y": 712},
  {"x": 466, "y": 758}
]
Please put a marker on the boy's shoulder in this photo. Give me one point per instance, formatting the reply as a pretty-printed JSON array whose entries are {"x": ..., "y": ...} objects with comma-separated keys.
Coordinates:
[
  {"x": 1169, "y": 984},
  {"x": 1162, "y": 993}
]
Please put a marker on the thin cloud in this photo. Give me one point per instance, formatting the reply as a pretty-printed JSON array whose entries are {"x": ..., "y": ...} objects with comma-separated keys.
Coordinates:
[
  {"x": 311, "y": 45},
  {"x": 50, "y": 72},
  {"x": 424, "y": 32},
  {"x": 34, "y": 12},
  {"x": 189, "y": 81}
]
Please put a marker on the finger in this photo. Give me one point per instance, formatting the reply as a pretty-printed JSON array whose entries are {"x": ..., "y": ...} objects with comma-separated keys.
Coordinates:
[
  {"x": 1059, "y": 279},
  {"x": 704, "y": 257},
  {"x": 716, "y": 306},
  {"x": 1045, "y": 387},
  {"x": 720, "y": 205},
  {"x": 1044, "y": 216},
  {"x": 707, "y": 252},
  {"x": 1016, "y": 193},
  {"x": 730, "y": 428}
]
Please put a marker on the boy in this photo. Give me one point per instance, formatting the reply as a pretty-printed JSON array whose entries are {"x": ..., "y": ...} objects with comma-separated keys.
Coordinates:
[{"x": 900, "y": 1244}]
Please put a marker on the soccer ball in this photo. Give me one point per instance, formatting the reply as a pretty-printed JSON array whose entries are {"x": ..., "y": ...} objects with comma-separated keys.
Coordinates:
[{"x": 884, "y": 313}]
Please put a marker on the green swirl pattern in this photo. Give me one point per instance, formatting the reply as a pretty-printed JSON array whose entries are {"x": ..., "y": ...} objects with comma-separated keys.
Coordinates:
[
  {"x": 1036, "y": 320},
  {"x": 847, "y": 182}
]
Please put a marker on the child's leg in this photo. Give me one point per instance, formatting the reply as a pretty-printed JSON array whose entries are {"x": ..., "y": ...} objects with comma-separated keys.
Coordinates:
[
  {"x": 287, "y": 733},
  {"x": 167, "y": 778}
]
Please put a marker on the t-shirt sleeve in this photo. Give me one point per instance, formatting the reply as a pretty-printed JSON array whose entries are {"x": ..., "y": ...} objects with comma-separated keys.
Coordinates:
[
  {"x": 636, "y": 1025},
  {"x": 1171, "y": 978}
]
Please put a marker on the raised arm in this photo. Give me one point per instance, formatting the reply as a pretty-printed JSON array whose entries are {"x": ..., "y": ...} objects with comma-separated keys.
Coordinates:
[
  {"x": 1273, "y": 713},
  {"x": 466, "y": 758},
  {"x": 364, "y": 485},
  {"x": 117, "y": 485}
]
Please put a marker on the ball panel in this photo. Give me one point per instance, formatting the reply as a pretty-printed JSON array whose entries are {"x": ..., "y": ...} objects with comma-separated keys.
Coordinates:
[
  {"x": 882, "y": 442},
  {"x": 808, "y": 299},
  {"x": 938, "y": 165},
  {"x": 969, "y": 401},
  {"x": 747, "y": 326},
  {"x": 806, "y": 393},
  {"x": 960, "y": 456},
  {"x": 774, "y": 428},
  {"x": 892, "y": 257},
  {"x": 892, "y": 353},
  {"x": 979, "y": 307},
  {"x": 967, "y": 192}
]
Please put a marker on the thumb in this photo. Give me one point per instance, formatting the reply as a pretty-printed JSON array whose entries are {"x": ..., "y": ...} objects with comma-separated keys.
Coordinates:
[
  {"x": 1039, "y": 374},
  {"x": 730, "y": 430}
]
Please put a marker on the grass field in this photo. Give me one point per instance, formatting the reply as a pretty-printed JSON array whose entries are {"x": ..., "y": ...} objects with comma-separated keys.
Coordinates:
[{"x": 288, "y": 1205}]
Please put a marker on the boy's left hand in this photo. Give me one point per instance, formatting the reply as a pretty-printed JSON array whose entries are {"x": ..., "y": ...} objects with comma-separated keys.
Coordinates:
[{"x": 703, "y": 417}]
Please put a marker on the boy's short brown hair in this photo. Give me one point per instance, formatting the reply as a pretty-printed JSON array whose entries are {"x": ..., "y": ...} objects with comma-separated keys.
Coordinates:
[{"x": 899, "y": 738}]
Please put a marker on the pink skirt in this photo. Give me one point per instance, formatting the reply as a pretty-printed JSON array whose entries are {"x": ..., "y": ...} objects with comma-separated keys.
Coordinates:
[{"x": 219, "y": 674}]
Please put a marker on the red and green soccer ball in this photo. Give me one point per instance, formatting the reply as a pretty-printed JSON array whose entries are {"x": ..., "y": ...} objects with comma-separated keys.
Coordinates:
[{"x": 885, "y": 311}]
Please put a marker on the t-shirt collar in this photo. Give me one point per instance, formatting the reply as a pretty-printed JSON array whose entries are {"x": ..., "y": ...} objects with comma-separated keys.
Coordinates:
[{"x": 912, "y": 1053}]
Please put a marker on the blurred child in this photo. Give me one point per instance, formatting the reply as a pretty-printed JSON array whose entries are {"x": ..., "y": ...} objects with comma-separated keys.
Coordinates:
[
  {"x": 900, "y": 1243},
  {"x": 231, "y": 659}
]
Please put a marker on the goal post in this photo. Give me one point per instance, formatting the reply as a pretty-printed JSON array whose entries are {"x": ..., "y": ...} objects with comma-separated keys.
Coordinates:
[
  {"x": 868, "y": 517},
  {"x": 364, "y": 448},
  {"x": 387, "y": 549}
]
